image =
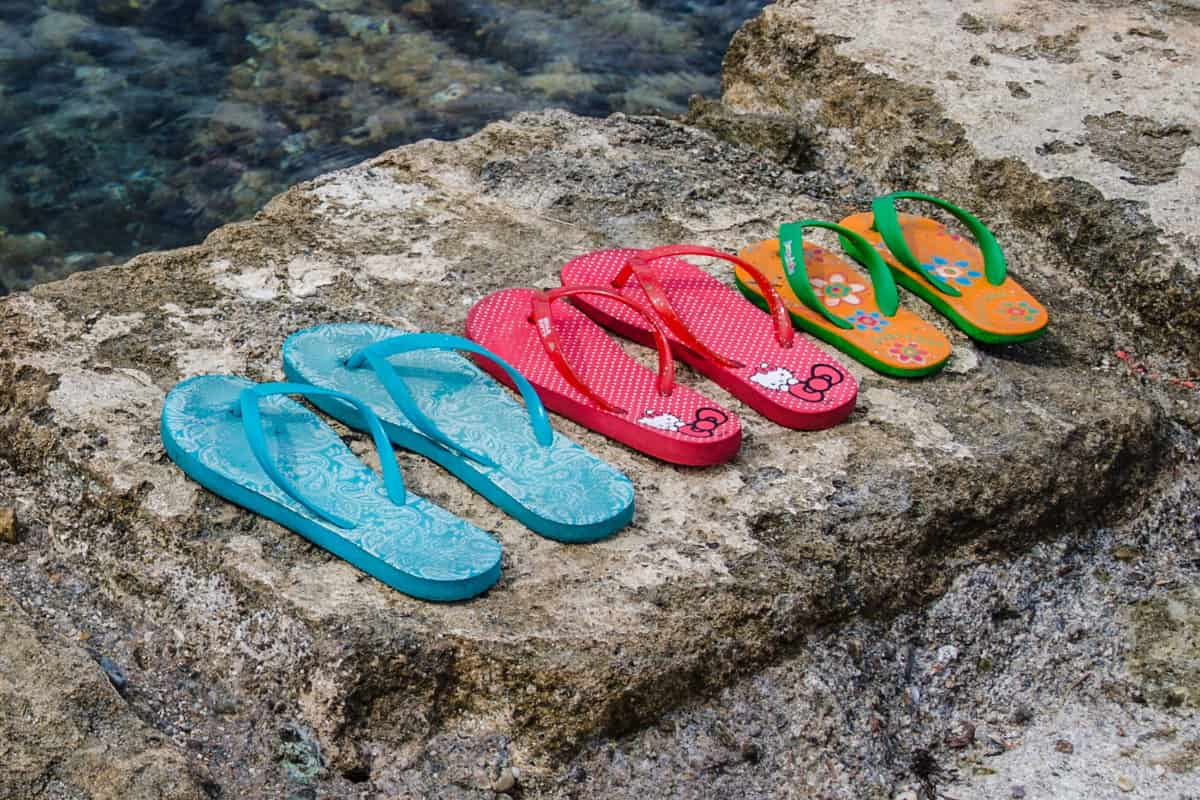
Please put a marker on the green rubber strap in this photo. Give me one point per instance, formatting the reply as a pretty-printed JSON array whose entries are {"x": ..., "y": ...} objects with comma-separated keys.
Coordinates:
[
  {"x": 887, "y": 222},
  {"x": 791, "y": 253}
]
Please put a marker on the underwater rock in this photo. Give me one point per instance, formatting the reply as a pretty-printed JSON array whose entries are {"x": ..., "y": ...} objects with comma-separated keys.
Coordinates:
[
  {"x": 56, "y": 30},
  {"x": 115, "y": 88}
]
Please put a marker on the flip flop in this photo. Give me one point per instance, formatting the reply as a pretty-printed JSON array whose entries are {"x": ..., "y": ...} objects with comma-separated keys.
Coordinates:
[
  {"x": 255, "y": 447},
  {"x": 434, "y": 402},
  {"x": 968, "y": 283},
  {"x": 831, "y": 299},
  {"x": 759, "y": 361},
  {"x": 584, "y": 375}
]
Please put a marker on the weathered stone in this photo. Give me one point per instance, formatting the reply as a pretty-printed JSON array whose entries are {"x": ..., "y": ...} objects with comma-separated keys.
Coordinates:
[
  {"x": 1166, "y": 657},
  {"x": 801, "y": 529},
  {"x": 67, "y": 733}
]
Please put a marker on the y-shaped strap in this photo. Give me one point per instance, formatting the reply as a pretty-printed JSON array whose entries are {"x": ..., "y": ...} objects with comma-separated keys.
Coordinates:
[
  {"x": 887, "y": 222},
  {"x": 252, "y": 423},
  {"x": 541, "y": 317},
  {"x": 791, "y": 253},
  {"x": 375, "y": 356},
  {"x": 639, "y": 266}
]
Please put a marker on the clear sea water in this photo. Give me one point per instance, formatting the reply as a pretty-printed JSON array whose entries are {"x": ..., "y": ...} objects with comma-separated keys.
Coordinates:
[{"x": 135, "y": 125}]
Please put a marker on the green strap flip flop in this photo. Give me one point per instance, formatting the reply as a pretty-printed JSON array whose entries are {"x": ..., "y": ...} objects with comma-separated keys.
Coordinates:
[
  {"x": 967, "y": 282},
  {"x": 831, "y": 298}
]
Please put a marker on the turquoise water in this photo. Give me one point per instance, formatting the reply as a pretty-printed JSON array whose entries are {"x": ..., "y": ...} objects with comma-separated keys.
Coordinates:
[{"x": 135, "y": 125}]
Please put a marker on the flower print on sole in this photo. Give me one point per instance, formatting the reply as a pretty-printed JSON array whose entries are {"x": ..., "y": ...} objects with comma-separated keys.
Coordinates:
[
  {"x": 960, "y": 272},
  {"x": 837, "y": 290},
  {"x": 1020, "y": 311},
  {"x": 868, "y": 321},
  {"x": 909, "y": 353}
]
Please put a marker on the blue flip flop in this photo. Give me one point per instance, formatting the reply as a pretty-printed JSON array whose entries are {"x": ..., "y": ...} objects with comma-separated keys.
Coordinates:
[
  {"x": 435, "y": 402},
  {"x": 252, "y": 445}
]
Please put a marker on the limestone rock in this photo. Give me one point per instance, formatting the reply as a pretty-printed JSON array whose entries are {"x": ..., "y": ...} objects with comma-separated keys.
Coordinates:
[{"x": 67, "y": 732}]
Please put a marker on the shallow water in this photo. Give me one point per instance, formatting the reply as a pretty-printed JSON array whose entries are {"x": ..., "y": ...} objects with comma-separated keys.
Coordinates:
[{"x": 135, "y": 125}]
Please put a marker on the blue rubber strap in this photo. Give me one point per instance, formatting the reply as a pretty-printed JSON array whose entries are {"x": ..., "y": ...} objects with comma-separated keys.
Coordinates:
[
  {"x": 256, "y": 436},
  {"x": 887, "y": 222},
  {"x": 376, "y": 355},
  {"x": 791, "y": 254}
]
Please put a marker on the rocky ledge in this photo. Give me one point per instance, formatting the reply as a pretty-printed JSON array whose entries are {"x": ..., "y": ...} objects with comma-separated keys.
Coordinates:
[{"x": 880, "y": 609}]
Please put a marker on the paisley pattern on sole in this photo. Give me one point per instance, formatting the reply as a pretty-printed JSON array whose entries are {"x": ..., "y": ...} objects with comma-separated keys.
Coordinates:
[
  {"x": 561, "y": 490},
  {"x": 417, "y": 547}
]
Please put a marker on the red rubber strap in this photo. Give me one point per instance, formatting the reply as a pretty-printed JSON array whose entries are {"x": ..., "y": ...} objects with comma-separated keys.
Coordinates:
[
  {"x": 639, "y": 265},
  {"x": 542, "y": 319}
]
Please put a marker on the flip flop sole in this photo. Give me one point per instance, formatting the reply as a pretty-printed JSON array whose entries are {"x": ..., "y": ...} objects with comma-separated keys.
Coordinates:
[
  {"x": 904, "y": 346},
  {"x": 561, "y": 491},
  {"x": 800, "y": 387},
  {"x": 683, "y": 428},
  {"x": 416, "y": 548},
  {"x": 1003, "y": 314}
]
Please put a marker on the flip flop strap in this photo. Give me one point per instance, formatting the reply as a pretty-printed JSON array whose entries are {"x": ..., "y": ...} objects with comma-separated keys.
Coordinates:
[
  {"x": 543, "y": 321},
  {"x": 639, "y": 266},
  {"x": 887, "y": 223},
  {"x": 252, "y": 423},
  {"x": 791, "y": 253},
  {"x": 375, "y": 356}
]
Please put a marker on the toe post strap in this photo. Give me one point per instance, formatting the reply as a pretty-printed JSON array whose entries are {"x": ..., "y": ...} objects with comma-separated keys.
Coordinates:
[
  {"x": 247, "y": 407},
  {"x": 886, "y": 221},
  {"x": 541, "y": 314},
  {"x": 640, "y": 266},
  {"x": 791, "y": 254},
  {"x": 376, "y": 356}
]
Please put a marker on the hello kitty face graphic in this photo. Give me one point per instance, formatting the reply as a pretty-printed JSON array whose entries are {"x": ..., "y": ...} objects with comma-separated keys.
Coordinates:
[
  {"x": 821, "y": 378},
  {"x": 703, "y": 426},
  {"x": 663, "y": 422},
  {"x": 778, "y": 379}
]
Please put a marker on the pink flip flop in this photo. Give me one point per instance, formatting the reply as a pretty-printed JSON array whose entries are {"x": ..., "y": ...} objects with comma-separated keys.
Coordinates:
[
  {"x": 756, "y": 358},
  {"x": 582, "y": 374}
]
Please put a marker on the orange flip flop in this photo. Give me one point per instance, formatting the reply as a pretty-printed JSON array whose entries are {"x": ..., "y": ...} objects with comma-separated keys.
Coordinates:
[
  {"x": 966, "y": 282},
  {"x": 830, "y": 297}
]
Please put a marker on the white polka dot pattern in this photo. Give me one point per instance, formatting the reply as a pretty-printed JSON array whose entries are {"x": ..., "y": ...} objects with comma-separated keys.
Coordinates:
[
  {"x": 784, "y": 384},
  {"x": 501, "y": 322}
]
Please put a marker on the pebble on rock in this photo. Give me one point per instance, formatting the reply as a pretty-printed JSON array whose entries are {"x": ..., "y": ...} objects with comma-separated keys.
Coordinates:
[
  {"x": 1064, "y": 746},
  {"x": 8, "y": 525},
  {"x": 1125, "y": 784},
  {"x": 506, "y": 780},
  {"x": 116, "y": 675},
  {"x": 962, "y": 735},
  {"x": 1018, "y": 791}
]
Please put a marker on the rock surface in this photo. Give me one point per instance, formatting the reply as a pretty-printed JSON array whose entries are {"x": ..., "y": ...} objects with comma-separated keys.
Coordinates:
[
  {"x": 67, "y": 732},
  {"x": 827, "y": 614}
]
